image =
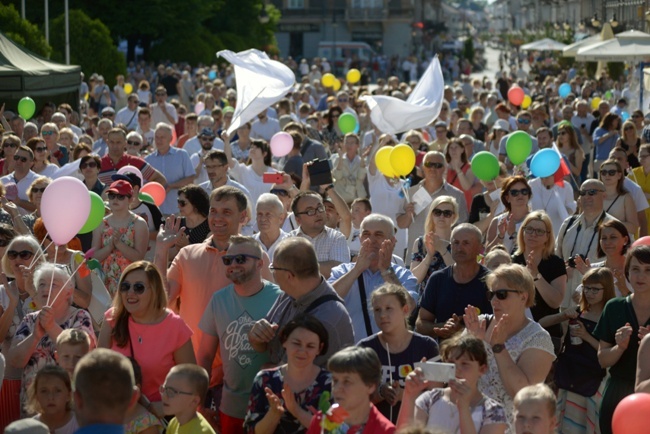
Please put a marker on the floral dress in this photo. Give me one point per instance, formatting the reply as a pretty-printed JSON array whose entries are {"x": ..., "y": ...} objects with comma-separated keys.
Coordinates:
[
  {"x": 115, "y": 263},
  {"x": 258, "y": 405},
  {"x": 143, "y": 420}
]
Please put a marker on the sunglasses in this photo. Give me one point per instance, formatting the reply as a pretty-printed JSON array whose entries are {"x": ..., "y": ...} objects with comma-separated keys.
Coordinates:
[
  {"x": 594, "y": 290},
  {"x": 239, "y": 259},
  {"x": 91, "y": 164},
  {"x": 590, "y": 192},
  {"x": 501, "y": 294},
  {"x": 138, "y": 287},
  {"x": 181, "y": 203},
  {"x": 532, "y": 231},
  {"x": 161, "y": 94},
  {"x": 637, "y": 116},
  {"x": 4, "y": 243},
  {"x": 41, "y": 149},
  {"x": 280, "y": 192},
  {"x": 133, "y": 143},
  {"x": 429, "y": 164},
  {"x": 342, "y": 100},
  {"x": 610, "y": 172},
  {"x": 108, "y": 115},
  {"x": 113, "y": 196},
  {"x": 19, "y": 158},
  {"x": 9, "y": 145},
  {"x": 38, "y": 190},
  {"x": 443, "y": 212},
  {"x": 207, "y": 139},
  {"x": 561, "y": 133},
  {"x": 47, "y": 133},
  {"x": 523, "y": 121},
  {"x": 523, "y": 192},
  {"x": 24, "y": 254}
]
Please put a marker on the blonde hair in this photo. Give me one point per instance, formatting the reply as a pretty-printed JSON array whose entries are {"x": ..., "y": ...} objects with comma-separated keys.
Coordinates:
[
  {"x": 429, "y": 223},
  {"x": 537, "y": 392},
  {"x": 549, "y": 247},
  {"x": 53, "y": 371},
  {"x": 516, "y": 277},
  {"x": 73, "y": 337}
]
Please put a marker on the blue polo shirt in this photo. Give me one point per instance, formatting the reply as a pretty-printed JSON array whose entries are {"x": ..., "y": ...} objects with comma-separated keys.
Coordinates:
[{"x": 175, "y": 165}]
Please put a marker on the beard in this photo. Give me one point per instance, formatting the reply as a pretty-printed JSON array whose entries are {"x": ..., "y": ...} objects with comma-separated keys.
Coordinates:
[{"x": 240, "y": 278}]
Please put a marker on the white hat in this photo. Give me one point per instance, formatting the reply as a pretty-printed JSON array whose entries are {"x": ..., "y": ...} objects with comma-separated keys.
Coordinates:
[{"x": 501, "y": 124}]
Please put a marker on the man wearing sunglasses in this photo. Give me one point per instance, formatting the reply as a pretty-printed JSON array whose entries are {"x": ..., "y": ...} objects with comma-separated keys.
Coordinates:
[
  {"x": 229, "y": 316},
  {"x": 579, "y": 234},
  {"x": 524, "y": 120},
  {"x": 194, "y": 143},
  {"x": 22, "y": 177}
]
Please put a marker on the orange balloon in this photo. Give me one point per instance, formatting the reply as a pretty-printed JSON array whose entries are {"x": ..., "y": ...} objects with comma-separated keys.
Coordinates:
[{"x": 156, "y": 191}]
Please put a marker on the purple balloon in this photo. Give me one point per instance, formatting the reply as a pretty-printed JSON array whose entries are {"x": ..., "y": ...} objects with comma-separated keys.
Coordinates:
[
  {"x": 65, "y": 207},
  {"x": 281, "y": 144}
]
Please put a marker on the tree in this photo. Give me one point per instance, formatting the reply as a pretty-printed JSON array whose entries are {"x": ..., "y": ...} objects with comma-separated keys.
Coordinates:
[
  {"x": 22, "y": 31},
  {"x": 91, "y": 46}
]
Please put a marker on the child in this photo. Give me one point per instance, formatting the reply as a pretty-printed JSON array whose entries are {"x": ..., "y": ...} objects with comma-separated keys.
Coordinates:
[
  {"x": 356, "y": 372},
  {"x": 71, "y": 345},
  {"x": 184, "y": 390},
  {"x": 138, "y": 419},
  {"x": 397, "y": 347},
  {"x": 50, "y": 397},
  {"x": 461, "y": 407},
  {"x": 535, "y": 410}
]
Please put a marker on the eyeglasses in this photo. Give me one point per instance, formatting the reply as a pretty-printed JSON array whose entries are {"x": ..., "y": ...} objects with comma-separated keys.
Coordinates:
[
  {"x": 441, "y": 131},
  {"x": 47, "y": 133},
  {"x": 24, "y": 254},
  {"x": 561, "y": 133},
  {"x": 501, "y": 294},
  {"x": 138, "y": 287},
  {"x": 523, "y": 121},
  {"x": 532, "y": 231},
  {"x": 9, "y": 145},
  {"x": 274, "y": 269},
  {"x": 280, "y": 192},
  {"x": 113, "y": 196},
  {"x": 181, "y": 203},
  {"x": 38, "y": 190},
  {"x": 611, "y": 172},
  {"x": 430, "y": 164},
  {"x": 637, "y": 116},
  {"x": 590, "y": 192},
  {"x": 593, "y": 289},
  {"x": 91, "y": 164},
  {"x": 238, "y": 259},
  {"x": 628, "y": 129},
  {"x": 523, "y": 192},
  {"x": 108, "y": 115},
  {"x": 19, "y": 158},
  {"x": 446, "y": 213},
  {"x": 4, "y": 243},
  {"x": 342, "y": 100},
  {"x": 41, "y": 149},
  {"x": 171, "y": 392},
  {"x": 312, "y": 212},
  {"x": 133, "y": 142}
]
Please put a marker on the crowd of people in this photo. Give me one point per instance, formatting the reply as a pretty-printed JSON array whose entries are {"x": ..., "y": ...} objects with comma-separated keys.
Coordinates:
[{"x": 262, "y": 297}]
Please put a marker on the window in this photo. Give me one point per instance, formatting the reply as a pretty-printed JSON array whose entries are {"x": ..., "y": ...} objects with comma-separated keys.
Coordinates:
[
  {"x": 367, "y": 4},
  {"x": 295, "y": 4}
]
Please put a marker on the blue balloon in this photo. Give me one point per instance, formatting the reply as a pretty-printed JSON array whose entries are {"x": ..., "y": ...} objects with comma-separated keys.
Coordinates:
[
  {"x": 545, "y": 163},
  {"x": 212, "y": 74},
  {"x": 625, "y": 116},
  {"x": 564, "y": 90}
]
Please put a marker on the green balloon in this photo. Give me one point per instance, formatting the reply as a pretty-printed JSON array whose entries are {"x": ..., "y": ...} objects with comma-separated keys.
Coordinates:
[
  {"x": 26, "y": 108},
  {"x": 518, "y": 147},
  {"x": 608, "y": 94},
  {"x": 146, "y": 197},
  {"x": 93, "y": 264},
  {"x": 96, "y": 213},
  {"x": 485, "y": 166},
  {"x": 347, "y": 123}
]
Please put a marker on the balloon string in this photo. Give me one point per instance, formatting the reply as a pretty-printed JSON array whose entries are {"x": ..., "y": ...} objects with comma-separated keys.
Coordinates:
[
  {"x": 56, "y": 253},
  {"x": 68, "y": 281},
  {"x": 40, "y": 251}
]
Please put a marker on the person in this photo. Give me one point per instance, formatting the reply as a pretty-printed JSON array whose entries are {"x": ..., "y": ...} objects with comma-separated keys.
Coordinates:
[
  {"x": 50, "y": 134},
  {"x": 10, "y": 143},
  {"x": 41, "y": 164},
  {"x": 486, "y": 205},
  {"x": 100, "y": 146},
  {"x": 359, "y": 209},
  {"x": 496, "y": 257},
  {"x": 104, "y": 389},
  {"x": 139, "y": 420},
  {"x": 349, "y": 169},
  {"x": 567, "y": 144},
  {"x": 134, "y": 143},
  {"x": 605, "y": 138},
  {"x": 515, "y": 196},
  {"x": 30, "y": 426},
  {"x": 183, "y": 392},
  {"x": 618, "y": 201},
  {"x": 49, "y": 398},
  {"x": 458, "y": 173},
  {"x": 520, "y": 351},
  {"x": 241, "y": 146},
  {"x": 89, "y": 166},
  {"x": 630, "y": 184},
  {"x": 225, "y": 324},
  {"x": 641, "y": 384},
  {"x": 535, "y": 251},
  {"x": 577, "y": 371},
  {"x": 630, "y": 142},
  {"x": 535, "y": 408},
  {"x": 281, "y": 397},
  {"x": 264, "y": 127},
  {"x": 270, "y": 217},
  {"x": 522, "y": 123},
  {"x": 460, "y": 407},
  {"x": 397, "y": 347},
  {"x": 193, "y": 206},
  {"x": 451, "y": 289},
  {"x": 34, "y": 342},
  {"x": 35, "y": 194},
  {"x": 622, "y": 322},
  {"x": 295, "y": 269},
  {"x": 215, "y": 163},
  {"x": 356, "y": 373},
  {"x": 556, "y": 200},
  {"x": 332, "y": 135},
  {"x": 22, "y": 177},
  {"x": 122, "y": 238},
  {"x": 128, "y": 115},
  {"x": 161, "y": 110},
  {"x": 641, "y": 176},
  {"x": 135, "y": 322},
  {"x": 71, "y": 346}
]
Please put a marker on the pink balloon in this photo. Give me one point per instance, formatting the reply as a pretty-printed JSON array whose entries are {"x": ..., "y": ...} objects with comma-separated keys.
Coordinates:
[
  {"x": 643, "y": 241},
  {"x": 199, "y": 107},
  {"x": 281, "y": 144},
  {"x": 627, "y": 419},
  {"x": 156, "y": 191},
  {"x": 132, "y": 169},
  {"x": 65, "y": 207},
  {"x": 516, "y": 95}
]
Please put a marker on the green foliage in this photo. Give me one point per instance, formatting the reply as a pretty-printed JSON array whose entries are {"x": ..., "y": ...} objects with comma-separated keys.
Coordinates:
[
  {"x": 615, "y": 69},
  {"x": 91, "y": 46},
  {"x": 468, "y": 50},
  {"x": 590, "y": 68},
  {"x": 22, "y": 32}
]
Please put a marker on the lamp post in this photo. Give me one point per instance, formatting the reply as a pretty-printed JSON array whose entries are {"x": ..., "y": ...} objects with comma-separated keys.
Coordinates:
[{"x": 67, "y": 32}]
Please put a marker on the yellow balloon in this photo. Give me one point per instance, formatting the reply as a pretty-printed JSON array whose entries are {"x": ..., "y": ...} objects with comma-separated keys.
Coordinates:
[
  {"x": 337, "y": 85},
  {"x": 128, "y": 88},
  {"x": 328, "y": 80},
  {"x": 86, "y": 96},
  {"x": 353, "y": 76},
  {"x": 595, "y": 102},
  {"x": 402, "y": 159},
  {"x": 526, "y": 102},
  {"x": 382, "y": 160}
]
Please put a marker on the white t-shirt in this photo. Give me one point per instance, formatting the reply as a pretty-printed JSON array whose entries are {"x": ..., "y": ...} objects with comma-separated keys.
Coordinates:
[{"x": 385, "y": 199}]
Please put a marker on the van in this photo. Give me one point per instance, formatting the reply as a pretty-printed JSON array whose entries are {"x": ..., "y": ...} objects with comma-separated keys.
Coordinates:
[{"x": 344, "y": 50}]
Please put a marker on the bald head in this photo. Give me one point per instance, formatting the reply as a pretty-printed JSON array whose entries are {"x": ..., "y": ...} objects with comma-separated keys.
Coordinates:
[{"x": 298, "y": 255}]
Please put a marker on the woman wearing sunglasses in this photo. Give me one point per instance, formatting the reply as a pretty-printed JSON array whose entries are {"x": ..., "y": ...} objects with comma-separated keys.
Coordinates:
[
  {"x": 136, "y": 322},
  {"x": 520, "y": 351},
  {"x": 10, "y": 143},
  {"x": 193, "y": 206},
  {"x": 35, "y": 194},
  {"x": 42, "y": 165},
  {"x": 332, "y": 135},
  {"x": 535, "y": 251},
  {"x": 458, "y": 172},
  {"x": 515, "y": 196},
  {"x": 33, "y": 346},
  {"x": 567, "y": 144},
  {"x": 631, "y": 142},
  {"x": 122, "y": 238},
  {"x": 618, "y": 201},
  {"x": 89, "y": 167}
]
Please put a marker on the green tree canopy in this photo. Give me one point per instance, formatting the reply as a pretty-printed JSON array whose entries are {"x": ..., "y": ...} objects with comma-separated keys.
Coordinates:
[{"x": 22, "y": 32}]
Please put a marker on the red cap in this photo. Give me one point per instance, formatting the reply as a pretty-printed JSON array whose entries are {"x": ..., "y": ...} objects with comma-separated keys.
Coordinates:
[{"x": 121, "y": 187}]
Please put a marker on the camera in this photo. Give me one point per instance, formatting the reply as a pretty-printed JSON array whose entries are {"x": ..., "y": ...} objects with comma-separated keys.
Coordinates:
[{"x": 572, "y": 260}]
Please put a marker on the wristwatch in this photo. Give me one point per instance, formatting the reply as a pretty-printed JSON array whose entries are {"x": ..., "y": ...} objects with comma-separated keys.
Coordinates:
[
  {"x": 537, "y": 277},
  {"x": 497, "y": 348},
  {"x": 328, "y": 187}
]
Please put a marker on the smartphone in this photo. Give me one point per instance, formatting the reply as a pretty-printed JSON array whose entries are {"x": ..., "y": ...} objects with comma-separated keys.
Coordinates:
[
  {"x": 436, "y": 371},
  {"x": 272, "y": 178},
  {"x": 12, "y": 191},
  {"x": 320, "y": 172}
]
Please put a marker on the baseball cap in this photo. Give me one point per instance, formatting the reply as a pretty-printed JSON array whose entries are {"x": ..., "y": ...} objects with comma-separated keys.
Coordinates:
[
  {"x": 121, "y": 187},
  {"x": 129, "y": 177},
  {"x": 108, "y": 110},
  {"x": 228, "y": 109},
  {"x": 501, "y": 124}
]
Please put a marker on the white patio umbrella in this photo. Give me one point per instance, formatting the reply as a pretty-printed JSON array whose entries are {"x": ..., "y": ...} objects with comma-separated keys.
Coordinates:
[
  {"x": 572, "y": 49},
  {"x": 545, "y": 44},
  {"x": 630, "y": 46}
]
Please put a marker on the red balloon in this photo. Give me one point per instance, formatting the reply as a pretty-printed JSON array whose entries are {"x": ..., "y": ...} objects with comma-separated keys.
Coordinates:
[
  {"x": 516, "y": 95},
  {"x": 156, "y": 191},
  {"x": 643, "y": 241},
  {"x": 628, "y": 417}
]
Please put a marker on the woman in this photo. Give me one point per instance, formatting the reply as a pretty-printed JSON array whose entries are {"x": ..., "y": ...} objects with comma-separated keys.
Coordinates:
[
  {"x": 33, "y": 346},
  {"x": 135, "y": 324},
  {"x": 193, "y": 206},
  {"x": 241, "y": 146},
  {"x": 520, "y": 351},
  {"x": 10, "y": 143},
  {"x": 480, "y": 129},
  {"x": 623, "y": 323},
  {"x": 144, "y": 92},
  {"x": 66, "y": 137},
  {"x": 567, "y": 144},
  {"x": 641, "y": 175},
  {"x": 432, "y": 251},
  {"x": 58, "y": 155},
  {"x": 16, "y": 300},
  {"x": 122, "y": 238},
  {"x": 89, "y": 166},
  {"x": 494, "y": 139},
  {"x": 487, "y": 204},
  {"x": 618, "y": 202},
  {"x": 299, "y": 383},
  {"x": 605, "y": 137},
  {"x": 42, "y": 165},
  {"x": 332, "y": 135},
  {"x": 458, "y": 171},
  {"x": 631, "y": 142},
  {"x": 35, "y": 194},
  {"x": 415, "y": 139},
  {"x": 515, "y": 195},
  {"x": 535, "y": 251}
]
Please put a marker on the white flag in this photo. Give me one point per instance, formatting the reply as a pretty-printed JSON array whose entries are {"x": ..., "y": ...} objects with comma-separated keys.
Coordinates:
[
  {"x": 261, "y": 82},
  {"x": 393, "y": 115}
]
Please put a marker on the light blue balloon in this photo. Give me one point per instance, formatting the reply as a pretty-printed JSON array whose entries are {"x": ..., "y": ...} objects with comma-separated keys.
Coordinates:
[
  {"x": 545, "y": 163},
  {"x": 564, "y": 90},
  {"x": 212, "y": 75},
  {"x": 625, "y": 116}
]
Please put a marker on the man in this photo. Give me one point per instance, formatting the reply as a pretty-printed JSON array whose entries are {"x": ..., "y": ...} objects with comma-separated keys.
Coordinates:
[
  {"x": 128, "y": 116},
  {"x": 433, "y": 185},
  {"x": 343, "y": 101},
  {"x": 216, "y": 168},
  {"x": 619, "y": 154},
  {"x": 349, "y": 170},
  {"x": 264, "y": 127},
  {"x": 108, "y": 113},
  {"x": 228, "y": 318},
  {"x": 171, "y": 84},
  {"x": 581, "y": 122},
  {"x": 173, "y": 163},
  {"x": 191, "y": 129},
  {"x": 556, "y": 200},
  {"x": 104, "y": 389},
  {"x": 355, "y": 281},
  {"x": 579, "y": 233},
  {"x": 193, "y": 144},
  {"x": 161, "y": 110},
  {"x": 100, "y": 146},
  {"x": 17, "y": 125},
  {"x": 270, "y": 217},
  {"x": 331, "y": 246},
  {"x": 524, "y": 119},
  {"x": 441, "y": 141},
  {"x": 116, "y": 158},
  {"x": 450, "y": 290},
  {"x": 296, "y": 269},
  {"x": 22, "y": 177},
  {"x": 206, "y": 138},
  {"x": 310, "y": 149},
  {"x": 30, "y": 130},
  {"x": 144, "y": 126}
]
